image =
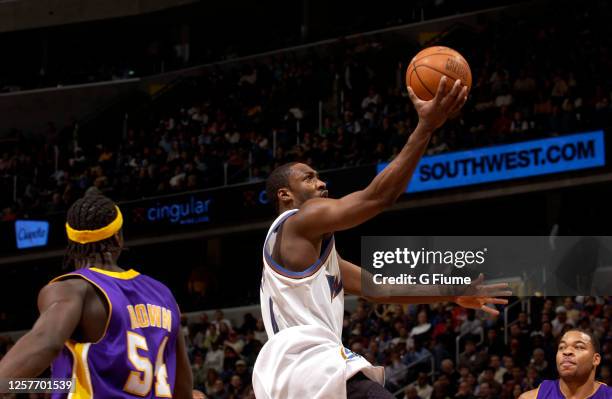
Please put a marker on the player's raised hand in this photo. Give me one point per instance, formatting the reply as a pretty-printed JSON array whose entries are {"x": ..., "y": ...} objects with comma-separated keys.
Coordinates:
[
  {"x": 435, "y": 112},
  {"x": 479, "y": 295}
]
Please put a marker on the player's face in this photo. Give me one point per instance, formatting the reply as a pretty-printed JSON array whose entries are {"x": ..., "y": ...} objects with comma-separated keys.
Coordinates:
[
  {"x": 305, "y": 184},
  {"x": 576, "y": 356}
]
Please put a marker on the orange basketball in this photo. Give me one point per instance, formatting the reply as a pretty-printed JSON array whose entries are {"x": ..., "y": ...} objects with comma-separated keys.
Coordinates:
[{"x": 429, "y": 65}]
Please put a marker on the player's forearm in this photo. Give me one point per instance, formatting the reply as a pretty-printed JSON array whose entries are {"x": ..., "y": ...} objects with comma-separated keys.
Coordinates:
[
  {"x": 30, "y": 356},
  {"x": 388, "y": 185},
  {"x": 405, "y": 300},
  {"x": 359, "y": 281}
]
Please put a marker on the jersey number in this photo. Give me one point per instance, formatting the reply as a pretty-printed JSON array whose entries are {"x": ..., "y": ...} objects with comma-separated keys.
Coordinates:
[{"x": 139, "y": 382}]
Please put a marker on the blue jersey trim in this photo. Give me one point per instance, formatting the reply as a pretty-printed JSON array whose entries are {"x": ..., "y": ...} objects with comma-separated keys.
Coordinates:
[
  {"x": 310, "y": 270},
  {"x": 272, "y": 318}
]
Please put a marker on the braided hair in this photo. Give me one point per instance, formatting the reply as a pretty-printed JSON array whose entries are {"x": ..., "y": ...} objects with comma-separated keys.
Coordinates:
[{"x": 91, "y": 212}]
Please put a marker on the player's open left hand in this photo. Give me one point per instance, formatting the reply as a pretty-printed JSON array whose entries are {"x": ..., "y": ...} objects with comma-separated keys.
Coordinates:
[
  {"x": 435, "y": 112},
  {"x": 478, "y": 296}
]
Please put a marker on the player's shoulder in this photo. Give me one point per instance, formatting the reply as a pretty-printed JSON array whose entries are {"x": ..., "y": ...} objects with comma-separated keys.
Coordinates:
[
  {"x": 66, "y": 282},
  {"x": 154, "y": 281},
  {"x": 158, "y": 285},
  {"x": 71, "y": 287},
  {"x": 533, "y": 394}
]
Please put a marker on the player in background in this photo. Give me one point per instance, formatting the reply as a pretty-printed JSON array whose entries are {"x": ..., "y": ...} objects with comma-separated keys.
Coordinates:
[
  {"x": 577, "y": 360},
  {"x": 115, "y": 331},
  {"x": 304, "y": 276}
]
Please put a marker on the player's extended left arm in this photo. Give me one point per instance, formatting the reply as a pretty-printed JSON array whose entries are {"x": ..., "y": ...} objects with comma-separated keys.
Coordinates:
[
  {"x": 60, "y": 306},
  {"x": 352, "y": 282}
]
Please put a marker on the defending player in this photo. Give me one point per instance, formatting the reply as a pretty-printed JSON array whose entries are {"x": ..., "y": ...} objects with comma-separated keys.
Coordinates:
[
  {"x": 116, "y": 332},
  {"x": 303, "y": 277},
  {"x": 577, "y": 360}
]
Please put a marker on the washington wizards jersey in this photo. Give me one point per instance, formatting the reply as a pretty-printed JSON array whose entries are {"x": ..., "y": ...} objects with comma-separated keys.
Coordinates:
[
  {"x": 303, "y": 314},
  {"x": 312, "y": 297},
  {"x": 136, "y": 356},
  {"x": 550, "y": 390}
]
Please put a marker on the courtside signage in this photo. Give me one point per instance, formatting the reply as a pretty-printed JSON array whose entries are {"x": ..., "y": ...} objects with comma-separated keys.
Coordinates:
[
  {"x": 509, "y": 161},
  {"x": 31, "y": 233}
]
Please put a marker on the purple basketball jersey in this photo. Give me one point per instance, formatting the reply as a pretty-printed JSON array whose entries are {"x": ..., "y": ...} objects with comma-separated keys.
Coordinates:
[
  {"x": 136, "y": 357},
  {"x": 550, "y": 390}
]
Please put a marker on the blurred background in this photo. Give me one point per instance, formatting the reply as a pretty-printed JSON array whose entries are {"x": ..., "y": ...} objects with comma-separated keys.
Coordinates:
[{"x": 179, "y": 109}]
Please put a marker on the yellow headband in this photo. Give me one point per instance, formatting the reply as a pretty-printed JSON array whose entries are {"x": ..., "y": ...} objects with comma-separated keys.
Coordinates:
[{"x": 87, "y": 236}]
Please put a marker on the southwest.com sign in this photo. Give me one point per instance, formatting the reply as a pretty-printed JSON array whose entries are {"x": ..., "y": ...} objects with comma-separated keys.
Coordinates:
[{"x": 510, "y": 161}]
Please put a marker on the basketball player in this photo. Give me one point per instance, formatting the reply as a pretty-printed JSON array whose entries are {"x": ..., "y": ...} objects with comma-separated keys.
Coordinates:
[
  {"x": 115, "y": 331},
  {"x": 577, "y": 360},
  {"x": 303, "y": 277}
]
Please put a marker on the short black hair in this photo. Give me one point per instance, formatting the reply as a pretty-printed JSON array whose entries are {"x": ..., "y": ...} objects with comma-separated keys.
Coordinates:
[
  {"x": 278, "y": 179},
  {"x": 91, "y": 212},
  {"x": 594, "y": 339}
]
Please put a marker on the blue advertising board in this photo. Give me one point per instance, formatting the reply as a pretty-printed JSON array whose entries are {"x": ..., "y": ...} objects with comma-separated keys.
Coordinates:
[
  {"x": 31, "y": 233},
  {"x": 508, "y": 161}
]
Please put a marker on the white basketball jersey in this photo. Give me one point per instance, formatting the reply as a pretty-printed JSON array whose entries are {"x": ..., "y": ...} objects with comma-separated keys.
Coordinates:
[
  {"x": 313, "y": 297},
  {"x": 303, "y": 313}
]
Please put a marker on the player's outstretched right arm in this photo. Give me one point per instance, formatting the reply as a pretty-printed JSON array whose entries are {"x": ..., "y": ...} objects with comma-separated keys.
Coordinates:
[
  {"x": 60, "y": 305},
  {"x": 319, "y": 216}
]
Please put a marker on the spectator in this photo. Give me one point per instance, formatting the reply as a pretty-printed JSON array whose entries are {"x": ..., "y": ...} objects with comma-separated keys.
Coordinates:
[
  {"x": 488, "y": 377},
  {"x": 471, "y": 325},
  {"x": 211, "y": 377},
  {"x": 422, "y": 387},
  {"x": 395, "y": 372},
  {"x": 418, "y": 354},
  {"x": 471, "y": 358},
  {"x": 448, "y": 370},
  {"x": 218, "y": 391},
  {"x": 484, "y": 391},
  {"x": 498, "y": 369},
  {"x": 560, "y": 321},
  {"x": 519, "y": 126},
  {"x": 211, "y": 336},
  {"x": 197, "y": 369},
  {"x": 573, "y": 314},
  {"x": 214, "y": 358},
  {"x": 464, "y": 391},
  {"x": 539, "y": 363},
  {"x": 235, "y": 386},
  {"x": 411, "y": 393},
  {"x": 251, "y": 348},
  {"x": 243, "y": 372},
  {"x": 440, "y": 391},
  {"x": 220, "y": 319},
  {"x": 260, "y": 332},
  {"x": 234, "y": 342}
]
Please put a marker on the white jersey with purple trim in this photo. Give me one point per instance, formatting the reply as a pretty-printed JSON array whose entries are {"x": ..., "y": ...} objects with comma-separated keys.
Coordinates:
[
  {"x": 312, "y": 297},
  {"x": 303, "y": 313}
]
